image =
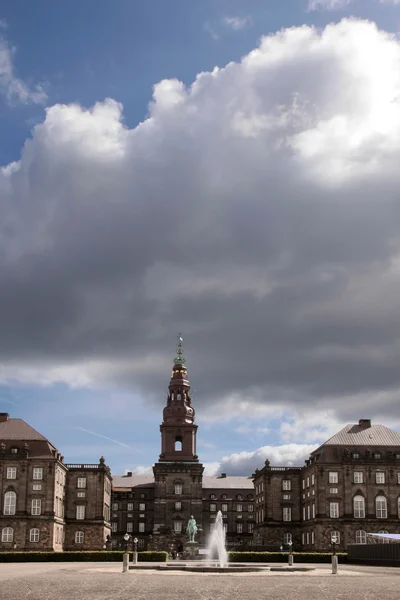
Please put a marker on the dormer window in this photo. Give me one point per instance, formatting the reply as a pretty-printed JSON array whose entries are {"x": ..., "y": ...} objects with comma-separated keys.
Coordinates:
[{"x": 14, "y": 450}]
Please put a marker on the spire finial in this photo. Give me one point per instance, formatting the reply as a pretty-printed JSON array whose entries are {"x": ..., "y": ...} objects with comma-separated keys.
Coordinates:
[{"x": 179, "y": 360}]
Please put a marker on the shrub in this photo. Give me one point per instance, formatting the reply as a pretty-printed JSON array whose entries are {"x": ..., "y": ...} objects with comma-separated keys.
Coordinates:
[
  {"x": 298, "y": 557},
  {"x": 86, "y": 556}
]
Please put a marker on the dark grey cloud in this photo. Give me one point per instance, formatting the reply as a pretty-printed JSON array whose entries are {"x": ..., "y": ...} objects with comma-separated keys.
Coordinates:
[{"x": 257, "y": 212}]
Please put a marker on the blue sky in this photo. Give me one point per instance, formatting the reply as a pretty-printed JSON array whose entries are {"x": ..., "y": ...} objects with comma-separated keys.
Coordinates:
[{"x": 82, "y": 53}]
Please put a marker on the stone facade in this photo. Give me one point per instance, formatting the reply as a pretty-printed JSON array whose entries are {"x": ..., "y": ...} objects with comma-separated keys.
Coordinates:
[
  {"x": 349, "y": 487},
  {"x": 39, "y": 495}
]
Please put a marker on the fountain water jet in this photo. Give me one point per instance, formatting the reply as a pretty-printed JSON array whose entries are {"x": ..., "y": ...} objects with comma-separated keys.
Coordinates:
[{"x": 217, "y": 541}]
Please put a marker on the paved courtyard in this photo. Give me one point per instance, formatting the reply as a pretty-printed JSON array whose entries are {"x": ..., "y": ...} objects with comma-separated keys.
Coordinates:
[{"x": 96, "y": 581}]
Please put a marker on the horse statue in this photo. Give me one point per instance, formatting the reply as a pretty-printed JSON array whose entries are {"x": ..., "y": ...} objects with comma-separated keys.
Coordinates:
[{"x": 191, "y": 528}]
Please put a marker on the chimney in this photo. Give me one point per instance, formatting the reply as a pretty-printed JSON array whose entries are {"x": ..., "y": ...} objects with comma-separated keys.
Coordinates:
[
  {"x": 128, "y": 474},
  {"x": 364, "y": 423},
  {"x": 222, "y": 476},
  {"x": 3, "y": 417}
]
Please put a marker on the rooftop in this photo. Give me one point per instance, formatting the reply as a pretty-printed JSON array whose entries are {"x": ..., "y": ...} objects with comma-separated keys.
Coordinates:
[
  {"x": 364, "y": 433},
  {"x": 18, "y": 430},
  {"x": 209, "y": 482}
]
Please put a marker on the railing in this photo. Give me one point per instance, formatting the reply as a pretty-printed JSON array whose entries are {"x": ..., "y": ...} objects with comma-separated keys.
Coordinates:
[
  {"x": 70, "y": 466},
  {"x": 285, "y": 468}
]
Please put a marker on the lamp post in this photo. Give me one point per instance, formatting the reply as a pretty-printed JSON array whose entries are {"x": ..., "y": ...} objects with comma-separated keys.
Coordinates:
[
  {"x": 334, "y": 540},
  {"x": 290, "y": 543},
  {"x": 135, "y": 552},
  {"x": 125, "y": 557}
]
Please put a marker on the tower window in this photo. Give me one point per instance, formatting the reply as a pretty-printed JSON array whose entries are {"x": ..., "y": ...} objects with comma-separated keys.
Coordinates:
[{"x": 178, "y": 443}]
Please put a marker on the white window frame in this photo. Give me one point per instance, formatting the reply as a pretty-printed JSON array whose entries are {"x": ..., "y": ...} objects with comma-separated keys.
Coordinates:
[
  {"x": 381, "y": 507},
  {"x": 79, "y": 537},
  {"x": 287, "y": 513},
  {"x": 337, "y": 535},
  {"x": 286, "y": 485},
  {"x": 358, "y": 477},
  {"x": 312, "y": 478},
  {"x": 37, "y": 473},
  {"x": 36, "y": 506},
  {"x": 7, "y": 534},
  {"x": 359, "y": 507},
  {"x": 333, "y": 477},
  {"x": 129, "y": 527},
  {"x": 36, "y": 487},
  {"x": 178, "y": 505},
  {"x": 34, "y": 535},
  {"x": 80, "y": 512},
  {"x": 287, "y": 537},
  {"x": 130, "y": 506},
  {"x": 224, "y": 508},
  {"x": 178, "y": 489},
  {"x": 114, "y": 527},
  {"x": 313, "y": 510},
  {"x": 239, "y": 527},
  {"x": 334, "y": 510},
  {"x": 250, "y": 527},
  {"x": 11, "y": 472},
  {"x": 142, "y": 506},
  {"x": 10, "y": 503},
  {"x": 115, "y": 506},
  {"x": 81, "y": 483},
  {"x": 380, "y": 477},
  {"x": 361, "y": 537},
  {"x": 142, "y": 527}
]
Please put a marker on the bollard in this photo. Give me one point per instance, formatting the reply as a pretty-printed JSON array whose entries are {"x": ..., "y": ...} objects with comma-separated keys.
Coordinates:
[
  {"x": 135, "y": 557},
  {"x": 125, "y": 562},
  {"x": 290, "y": 560},
  {"x": 334, "y": 564}
]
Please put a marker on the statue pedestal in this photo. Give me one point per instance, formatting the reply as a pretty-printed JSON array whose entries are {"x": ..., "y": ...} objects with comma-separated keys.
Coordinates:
[{"x": 192, "y": 548}]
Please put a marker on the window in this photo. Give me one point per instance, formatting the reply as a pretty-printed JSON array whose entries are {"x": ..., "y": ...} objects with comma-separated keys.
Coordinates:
[
  {"x": 80, "y": 537},
  {"x": 34, "y": 535},
  {"x": 286, "y": 496},
  {"x": 308, "y": 482},
  {"x": 361, "y": 537},
  {"x": 177, "y": 526},
  {"x": 129, "y": 527},
  {"x": 287, "y": 537},
  {"x": 178, "y": 489},
  {"x": 14, "y": 450},
  {"x": 303, "y": 483},
  {"x": 250, "y": 508},
  {"x": 377, "y": 455},
  {"x": 358, "y": 477},
  {"x": 335, "y": 535},
  {"x": 359, "y": 507},
  {"x": 11, "y": 472},
  {"x": 240, "y": 497},
  {"x": 333, "y": 477},
  {"x": 212, "y": 496},
  {"x": 80, "y": 512},
  {"x": 142, "y": 506},
  {"x": 312, "y": 537},
  {"x": 213, "y": 507},
  {"x": 380, "y": 477},
  {"x": 224, "y": 508},
  {"x": 7, "y": 534},
  {"x": 36, "y": 506},
  {"x": 239, "y": 508},
  {"x": 130, "y": 506},
  {"x": 356, "y": 455},
  {"x": 37, "y": 473},
  {"x": 81, "y": 494},
  {"x": 312, "y": 479},
  {"x": 383, "y": 540},
  {"x": 308, "y": 511},
  {"x": 287, "y": 513},
  {"x": 286, "y": 485},
  {"x": 334, "y": 510},
  {"x": 81, "y": 482},
  {"x": 313, "y": 510},
  {"x": 398, "y": 477},
  {"x": 142, "y": 496},
  {"x": 304, "y": 513},
  {"x": 115, "y": 506},
  {"x": 141, "y": 544},
  {"x": 303, "y": 537},
  {"x": 178, "y": 444},
  {"x": 381, "y": 507},
  {"x": 178, "y": 505},
  {"x": 142, "y": 527},
  {"x": 308, "y": 537},
  {"x": 333, "y": 490},
  {"x": 250, "y": 527},
  {"x": 114, "y": 527},
  {"x": 36, "y": 487},
  {"x": 239, "y": 527}
]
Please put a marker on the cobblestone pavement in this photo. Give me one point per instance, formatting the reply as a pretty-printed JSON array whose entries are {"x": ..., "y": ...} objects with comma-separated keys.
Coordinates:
[{"x": 96, "y": 581}]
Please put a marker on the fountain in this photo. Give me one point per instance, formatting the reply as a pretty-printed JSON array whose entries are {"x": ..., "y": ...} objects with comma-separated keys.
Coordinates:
[{"x": 217, "y": 542}]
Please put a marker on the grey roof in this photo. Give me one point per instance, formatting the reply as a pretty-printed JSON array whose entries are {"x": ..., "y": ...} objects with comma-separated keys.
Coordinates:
[
  {"x": 17, "y": 429},
  {"x": 228, "y": 482},
  {"x": 121, "y": 481},
  {"x": 209, "y": 482},
  {"x": 356, "y": 435}
]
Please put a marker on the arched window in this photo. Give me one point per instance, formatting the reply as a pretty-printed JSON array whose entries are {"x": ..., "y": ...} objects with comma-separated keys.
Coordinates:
[
  {"x": 287, "y": 537},
  {"x": 7, "y": 534},
  {"x": 178, "y": 488},
  {"x": 178, "y": 443},
  {"x": 10, "y": 503},
  {"x": 361, "y": 537},
  {"x": 79, "y": 537},
  {"x": 335, "y": 536},
  {"x": 381, "y": 507},
  {"x": 359, "y": 507},
  {"x": 34, "y": 535},
  {"x": 383, "y": 540}
]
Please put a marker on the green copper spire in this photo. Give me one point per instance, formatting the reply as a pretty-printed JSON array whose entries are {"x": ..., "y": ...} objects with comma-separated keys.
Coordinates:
[{"x": 180, "y": 359}]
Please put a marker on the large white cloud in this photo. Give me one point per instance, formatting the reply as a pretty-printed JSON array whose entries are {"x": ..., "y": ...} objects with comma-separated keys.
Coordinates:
[{"x": 256, "y": 210}]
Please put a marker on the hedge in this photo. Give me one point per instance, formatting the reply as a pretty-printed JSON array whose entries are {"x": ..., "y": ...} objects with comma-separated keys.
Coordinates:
[
  {"x": 298, "y": 557},
  {"x": 100, "y": 556}
]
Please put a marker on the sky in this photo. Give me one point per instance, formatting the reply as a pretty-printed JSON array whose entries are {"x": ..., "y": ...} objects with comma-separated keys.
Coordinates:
[{"x": 227, "y": 169}]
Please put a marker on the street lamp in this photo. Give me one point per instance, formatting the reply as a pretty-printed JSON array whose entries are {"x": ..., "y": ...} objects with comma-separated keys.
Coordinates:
[
  {"x": 290, "y": 543},
  {"x": 126, "y": 538},
  {"x": 125, "y": 557},
  {"x": 334, "y": 540},
  {"x": 135, "y": 553}
]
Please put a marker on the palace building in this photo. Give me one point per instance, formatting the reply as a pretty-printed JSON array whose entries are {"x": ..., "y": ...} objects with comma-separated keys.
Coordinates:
[{"x": 350, "y": 486}]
